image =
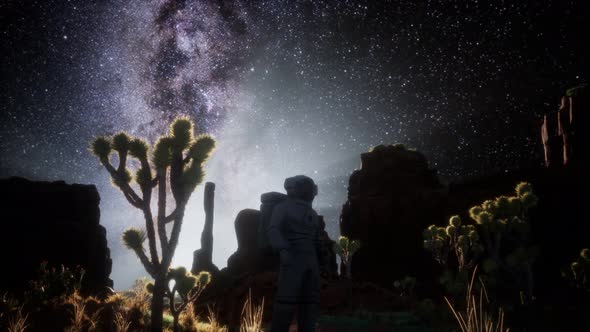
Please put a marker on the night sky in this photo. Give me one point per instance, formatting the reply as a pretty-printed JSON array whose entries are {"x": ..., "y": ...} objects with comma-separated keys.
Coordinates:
[{"x": 286, "y": 87}]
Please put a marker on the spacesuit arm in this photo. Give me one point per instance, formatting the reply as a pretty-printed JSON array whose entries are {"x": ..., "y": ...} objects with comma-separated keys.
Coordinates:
[{"x": 275, "y": 237}]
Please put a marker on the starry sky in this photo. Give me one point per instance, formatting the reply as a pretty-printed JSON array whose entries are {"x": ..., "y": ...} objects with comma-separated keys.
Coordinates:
[{"x": 286, "y": 87}]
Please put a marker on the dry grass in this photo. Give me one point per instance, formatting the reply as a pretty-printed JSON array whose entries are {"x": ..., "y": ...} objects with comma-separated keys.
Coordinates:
[
  {"x": 80, "y": 321},
  {"x": 188, "y": 318},
  {"x": 139, "y": 296},
  {"x": 18, "y": 323},
  {"x": 116, "y": 300},
  {"x": 251, "y": 318},
  {"x": 78, "y": 308},
  {"x": 214, "y": 324},
  {"x": 121, "y": 322},
  {"x": 477, "y": 317}
]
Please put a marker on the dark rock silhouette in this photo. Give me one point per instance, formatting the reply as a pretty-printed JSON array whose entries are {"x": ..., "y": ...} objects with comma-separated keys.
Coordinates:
[
  {"x": 330, "y": 270},
  {"x": 202, "y": 259},
  {"x": 248, "y": 258},
  {"x": 53, "y": 222},
  {"x": 391, "y": 199}
]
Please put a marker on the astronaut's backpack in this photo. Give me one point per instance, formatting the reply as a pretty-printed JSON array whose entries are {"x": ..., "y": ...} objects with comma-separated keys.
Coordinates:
[{"x": 268, "y": 202}]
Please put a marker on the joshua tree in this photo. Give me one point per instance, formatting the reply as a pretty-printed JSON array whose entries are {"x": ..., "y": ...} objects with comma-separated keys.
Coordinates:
[
  {"x": 187, "y": 286},
  {"x": 176, "y": 161},
  {"x": 346, "y": 249},
  {"x": 499, "y": 239}
]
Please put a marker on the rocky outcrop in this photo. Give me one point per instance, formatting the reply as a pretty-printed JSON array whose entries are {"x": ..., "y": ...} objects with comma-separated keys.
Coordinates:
[
  {"x": 563, "y": 133},
  {"x": 53, "y": 222},
  {"x": 391, "y": 199},
  {"x": 202, "y": 258},
  {"x": 249, "y": 258}
]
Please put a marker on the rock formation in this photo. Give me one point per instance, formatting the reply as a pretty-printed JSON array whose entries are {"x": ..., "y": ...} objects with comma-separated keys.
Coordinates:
[
  {"x": 391, "y": 199},
  {"x": 330, "y": 269},
  {"x": 248, "y": 258},
  {"x": 564, "y": 137},
  {"x": 202, "y": 258},
  {"x": 53, "y": 222}
]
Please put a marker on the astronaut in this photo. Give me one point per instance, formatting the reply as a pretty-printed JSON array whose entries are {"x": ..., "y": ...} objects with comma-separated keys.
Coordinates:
[{"x": 294, "y": 231}]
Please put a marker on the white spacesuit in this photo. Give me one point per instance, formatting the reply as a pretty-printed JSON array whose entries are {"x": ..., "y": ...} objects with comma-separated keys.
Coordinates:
[{"x": 294, "y": 232}]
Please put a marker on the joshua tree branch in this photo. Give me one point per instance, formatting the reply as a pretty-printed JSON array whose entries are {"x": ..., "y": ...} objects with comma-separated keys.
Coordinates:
[
  {"x": 171, "y": 216},
  {"x": 174, "y": 235},
  {"x": 162, "y": 214},
  {"x": 149, "y": 223},
  {"x": 129, "y": 193},
  {"x": 149, "y": 267}
]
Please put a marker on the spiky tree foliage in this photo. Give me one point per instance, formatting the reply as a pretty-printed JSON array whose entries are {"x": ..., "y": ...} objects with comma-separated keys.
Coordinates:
[
  {"x": 346, "y": 248},
  {"x": 578, "y": 272},
  {"x": 498, "y": 239},
  {"x": 176, "y": 162},
  {"x": 187, "y": 286}
]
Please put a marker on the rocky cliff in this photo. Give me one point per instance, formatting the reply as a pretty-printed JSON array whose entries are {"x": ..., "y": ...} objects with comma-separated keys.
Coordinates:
[{"x": 53, "y": 222}]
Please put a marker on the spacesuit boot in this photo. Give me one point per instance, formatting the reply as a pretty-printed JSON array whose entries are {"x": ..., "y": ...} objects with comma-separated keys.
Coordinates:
[
  {"x": 282, "y": 315},
  {"x": 307, "y": 317}
]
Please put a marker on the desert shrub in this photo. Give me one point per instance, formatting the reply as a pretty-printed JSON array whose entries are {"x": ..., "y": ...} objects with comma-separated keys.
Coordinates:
[
  {"x": 55, "y": 282},
  {"x": 578, "y": 272}
]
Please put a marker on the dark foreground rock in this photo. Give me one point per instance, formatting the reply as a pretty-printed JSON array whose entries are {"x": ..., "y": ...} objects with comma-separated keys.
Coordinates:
[{"x": 53, "y": 222}]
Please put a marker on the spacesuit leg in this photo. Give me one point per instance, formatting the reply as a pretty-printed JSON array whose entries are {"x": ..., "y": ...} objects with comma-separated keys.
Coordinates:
[
  {"x": 287, "y": 297},
  {"x": 309, "y": 307}
]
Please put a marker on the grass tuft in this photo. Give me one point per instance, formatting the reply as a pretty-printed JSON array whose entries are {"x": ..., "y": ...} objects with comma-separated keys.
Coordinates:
[
  {"x": 476, "y": 317},
  {"x": 18, "y": 323},
  {"x": 251, "y": 320}
]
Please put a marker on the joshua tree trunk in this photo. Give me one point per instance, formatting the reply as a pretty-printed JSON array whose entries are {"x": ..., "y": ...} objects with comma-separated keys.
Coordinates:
[
  {"x": 176, "y": 327},
  {"x": 158, "y": 304}
]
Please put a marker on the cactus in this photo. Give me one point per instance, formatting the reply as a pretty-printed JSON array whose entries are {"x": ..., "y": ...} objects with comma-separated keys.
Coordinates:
[
  {"x": 175, "y": 162},
  {"x": 346, "y": 248},
  {"x": 498, "y": 239}
]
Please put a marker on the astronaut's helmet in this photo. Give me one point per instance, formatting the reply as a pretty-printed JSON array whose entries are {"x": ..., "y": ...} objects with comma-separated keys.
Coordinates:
[{"x": 302, "y": 187}]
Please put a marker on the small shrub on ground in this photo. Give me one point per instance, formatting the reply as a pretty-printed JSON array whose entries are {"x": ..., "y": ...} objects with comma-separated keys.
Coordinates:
[{"x": 54, "y": 282}]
